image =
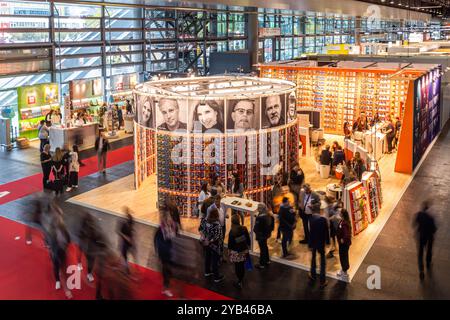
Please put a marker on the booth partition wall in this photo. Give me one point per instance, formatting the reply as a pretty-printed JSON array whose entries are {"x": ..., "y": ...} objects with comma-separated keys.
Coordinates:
[{"x": 52, "y": 42}]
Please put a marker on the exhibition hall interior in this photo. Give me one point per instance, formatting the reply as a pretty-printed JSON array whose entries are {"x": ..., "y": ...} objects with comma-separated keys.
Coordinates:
[{"x": 224, "y": 150}]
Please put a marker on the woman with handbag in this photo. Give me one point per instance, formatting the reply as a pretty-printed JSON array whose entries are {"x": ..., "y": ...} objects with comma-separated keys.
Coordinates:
[
  {"x": 238, "y": 246},
  {"x": 58, "y": 171},
  {"x": 212, "y": 240}
]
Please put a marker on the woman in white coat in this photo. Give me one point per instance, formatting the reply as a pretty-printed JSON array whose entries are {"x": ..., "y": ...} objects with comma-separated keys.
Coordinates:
[{"x": 74, "y": 168}]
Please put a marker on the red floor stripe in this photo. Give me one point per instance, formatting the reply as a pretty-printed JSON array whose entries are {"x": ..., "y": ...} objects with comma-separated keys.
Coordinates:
[
  {"x": 26, "y": 273},
  {"x": 26, "y": 186}
]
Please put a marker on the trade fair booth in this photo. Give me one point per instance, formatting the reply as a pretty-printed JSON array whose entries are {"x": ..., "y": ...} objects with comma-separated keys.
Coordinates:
[
  {"x": 333, "y": 95},
  {"x": 190, "y": 130},
  {"x": 34, "y": 103},
  {"x": 198, "y": 147}
]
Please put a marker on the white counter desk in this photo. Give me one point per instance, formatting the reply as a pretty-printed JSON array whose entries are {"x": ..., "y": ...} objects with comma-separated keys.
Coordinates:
[
  {"x": 84, "y": 136},
  {"x": 243, "y": 205}
]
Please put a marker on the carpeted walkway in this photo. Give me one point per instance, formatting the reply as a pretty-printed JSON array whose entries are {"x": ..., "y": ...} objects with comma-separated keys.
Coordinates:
[
  {"x": 26, "y": 186},
  {"x": 26, "y": 273}
]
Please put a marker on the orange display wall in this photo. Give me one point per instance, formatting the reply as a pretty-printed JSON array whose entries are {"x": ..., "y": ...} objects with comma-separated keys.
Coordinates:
[{"x": 341, "y": 91}]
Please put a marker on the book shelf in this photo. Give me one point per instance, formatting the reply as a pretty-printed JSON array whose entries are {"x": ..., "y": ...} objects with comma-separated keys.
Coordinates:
[
  {"x": 356, "y": 202},
  {"x": 372, "y": 185},
  {"x": 145, "y": 153},
  {"x": 341, "y": 94}
]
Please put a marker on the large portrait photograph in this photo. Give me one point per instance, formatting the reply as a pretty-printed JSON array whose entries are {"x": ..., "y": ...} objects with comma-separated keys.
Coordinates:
[
  {"x": 171, "y": 115},
  {"x": 243, "y": 114},
  {"x": 273, "y": 113},
  {"x": 206, "y": 116},
  {"x": 145, "y": 111},
  {"x": 291, "y": 110}
]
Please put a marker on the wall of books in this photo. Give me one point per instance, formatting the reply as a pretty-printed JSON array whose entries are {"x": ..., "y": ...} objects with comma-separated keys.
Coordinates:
[
  {"x": 341, "y": 94},
  {"x": 255, "y": 157},
  {"x": 144, "y": 154}
]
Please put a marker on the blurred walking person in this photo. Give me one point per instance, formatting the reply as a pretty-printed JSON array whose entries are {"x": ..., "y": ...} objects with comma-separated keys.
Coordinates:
[
  {"x": 426, "y": 228},
  {"x": 102, "y": 147},
  {"x": 34, "y": 219},
  {"x": 238, "y": 247},
  {"x": 59, "y": 240},
  {"x": 163, "y": 245},
  {"x": 126, "y": 236},
  {"x": 91, "y": 242}
]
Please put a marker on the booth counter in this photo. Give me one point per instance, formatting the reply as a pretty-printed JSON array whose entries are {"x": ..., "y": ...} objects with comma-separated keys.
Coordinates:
[{"x": 84, "y": 136}]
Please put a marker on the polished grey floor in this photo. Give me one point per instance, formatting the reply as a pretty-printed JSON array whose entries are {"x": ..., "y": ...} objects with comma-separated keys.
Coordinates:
[{"x": 394, "y": 251}]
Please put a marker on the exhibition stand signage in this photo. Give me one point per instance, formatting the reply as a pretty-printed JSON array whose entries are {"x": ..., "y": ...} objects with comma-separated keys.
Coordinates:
[{"x": 34, "y": 102}]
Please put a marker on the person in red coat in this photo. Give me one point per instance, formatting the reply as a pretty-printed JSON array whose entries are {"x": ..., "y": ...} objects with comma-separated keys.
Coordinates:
[{"x": 344, "y": 236}]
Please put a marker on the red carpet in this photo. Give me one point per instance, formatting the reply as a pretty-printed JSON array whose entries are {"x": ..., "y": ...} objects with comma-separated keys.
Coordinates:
[
  {"x": 26, "y": 272},
  {"x": 26, "y": 186}
]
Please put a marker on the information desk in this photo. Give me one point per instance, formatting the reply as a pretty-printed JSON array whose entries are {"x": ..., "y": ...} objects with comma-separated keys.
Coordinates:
[
  {"x": 375, "y": 143},
  {"x": 240, "y": 204},
  {"x": 84, "y": 136}
]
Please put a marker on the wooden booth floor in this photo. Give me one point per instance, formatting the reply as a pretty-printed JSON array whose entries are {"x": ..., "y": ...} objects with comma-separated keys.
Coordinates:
[{"x": 111, "y": 198}]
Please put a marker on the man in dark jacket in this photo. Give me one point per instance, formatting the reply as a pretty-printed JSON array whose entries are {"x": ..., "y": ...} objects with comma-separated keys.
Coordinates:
[
  {"x": 325, "y": 156},
  {"x": 319, "y": 237},
  {"x": 263, "y": 228},
  {"x": 338, "y": 156},
  {"x": 426, "y": 228},
  {"x": 286, "y": 215}
]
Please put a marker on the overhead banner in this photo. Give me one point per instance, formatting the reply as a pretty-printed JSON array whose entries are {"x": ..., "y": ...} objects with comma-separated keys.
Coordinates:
[
  {"x": 124, "y": 82},
  {"x": 269, "y": 32},
  {"x": 338, "y": 49},
  {"x": 86, "y": 88},
  {"x": 37, "y": 95}
]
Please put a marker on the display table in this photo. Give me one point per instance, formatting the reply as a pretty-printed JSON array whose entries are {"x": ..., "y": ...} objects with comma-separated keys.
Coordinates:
[
  {"x": 129, "y": 123},
  {"x": 240, "y": 204},
  {"x": 334, "y": 191},
  {"x": 84, "y": 136}
]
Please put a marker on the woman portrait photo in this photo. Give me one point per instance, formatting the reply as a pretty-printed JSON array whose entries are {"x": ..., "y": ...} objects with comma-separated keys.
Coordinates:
[
  {"x": 146, "y": 111},
  {"x": 207, "y": 116}
]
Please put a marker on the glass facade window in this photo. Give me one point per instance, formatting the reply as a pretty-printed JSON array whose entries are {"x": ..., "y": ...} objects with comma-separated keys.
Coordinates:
[
  {"x": 310, "y": 26},
  {"x": 320, "y": 25},
  {"x": 310, "y": 44},
  {"x": 298, "y": 47}
]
